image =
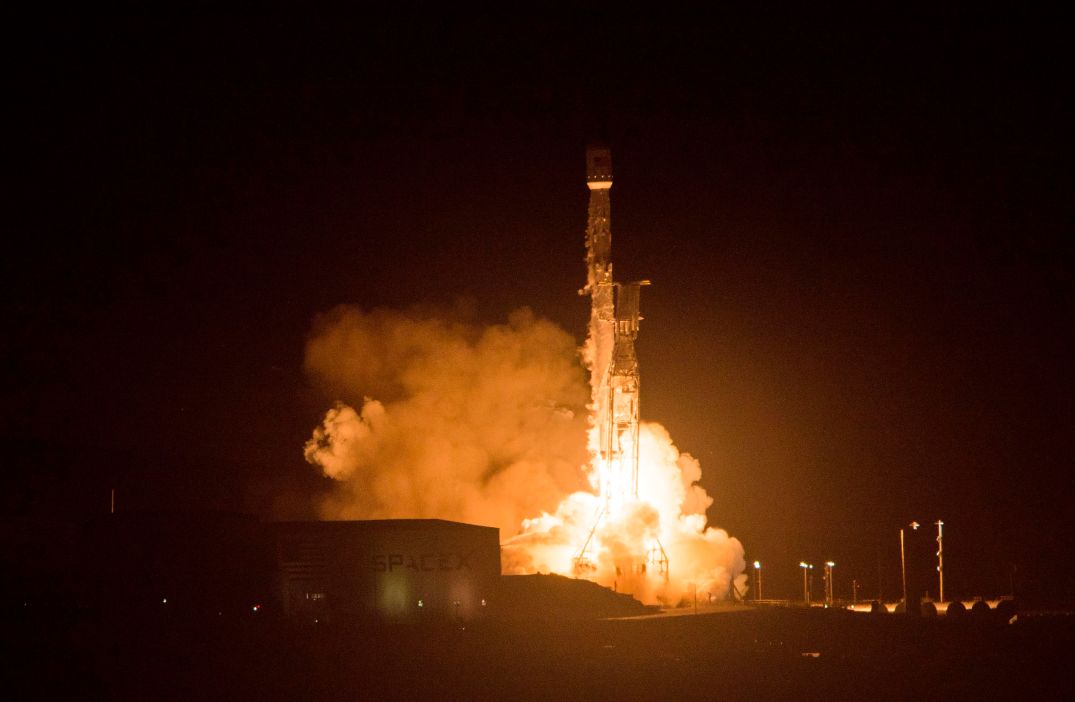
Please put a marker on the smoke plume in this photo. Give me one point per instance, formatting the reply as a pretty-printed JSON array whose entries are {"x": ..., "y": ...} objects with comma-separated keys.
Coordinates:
[
  {"x": 442, "y": 418},
  {"x": 437, "y": 417}
]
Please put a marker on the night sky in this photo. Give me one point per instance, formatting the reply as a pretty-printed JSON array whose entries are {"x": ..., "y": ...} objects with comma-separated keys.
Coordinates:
[{"x": 858, "y": 229}]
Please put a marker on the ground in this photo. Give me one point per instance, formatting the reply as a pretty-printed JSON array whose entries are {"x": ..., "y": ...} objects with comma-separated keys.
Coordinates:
[{"x": 742, "y": 654}]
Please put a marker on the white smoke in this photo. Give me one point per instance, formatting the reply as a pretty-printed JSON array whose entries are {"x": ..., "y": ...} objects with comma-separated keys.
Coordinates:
[
  {"x": 671, "y": 510},
  {"x": 441, "y": 418}
]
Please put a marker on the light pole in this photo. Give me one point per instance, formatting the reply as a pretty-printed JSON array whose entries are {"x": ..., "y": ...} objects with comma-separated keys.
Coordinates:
[
  {"x": 854, "y": 592},
  {"x": 806, "y": 585},
  {"x": 903, "y": 563},
  {"x": 940, "y": 557},
  {"x": 829, "y": 565},
  {"x": 757, "y": 580}
]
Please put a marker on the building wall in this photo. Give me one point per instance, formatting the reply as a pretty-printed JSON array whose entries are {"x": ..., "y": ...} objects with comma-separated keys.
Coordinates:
[{"x": 388, "y": 569}]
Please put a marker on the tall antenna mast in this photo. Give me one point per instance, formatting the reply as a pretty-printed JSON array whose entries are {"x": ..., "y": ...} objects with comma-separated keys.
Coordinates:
[{"x": 940, "y": 557}]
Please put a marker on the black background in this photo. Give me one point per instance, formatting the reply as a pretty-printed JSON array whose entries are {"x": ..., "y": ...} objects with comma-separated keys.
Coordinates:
[{"x": 857, "y": 227}]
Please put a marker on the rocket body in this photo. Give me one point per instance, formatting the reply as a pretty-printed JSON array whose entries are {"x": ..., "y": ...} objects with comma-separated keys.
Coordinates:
[
  {"x": 599, "y": 286},
  {"x": 610, "y": 347},
  {"x": 610, "y": 355}
]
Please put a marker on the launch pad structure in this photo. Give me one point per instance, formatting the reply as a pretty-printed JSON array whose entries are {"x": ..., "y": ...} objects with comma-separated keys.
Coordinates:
[{"x": 614, "y": 373}]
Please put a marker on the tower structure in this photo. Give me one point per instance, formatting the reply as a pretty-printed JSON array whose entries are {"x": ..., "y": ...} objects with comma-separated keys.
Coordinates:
[
  {"x": 610, "y": 352},
  {"x": 620, "y": 450}
]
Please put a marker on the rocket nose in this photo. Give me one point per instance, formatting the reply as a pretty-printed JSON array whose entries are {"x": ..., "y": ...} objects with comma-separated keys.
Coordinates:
[{"x": 598, "y": 163}]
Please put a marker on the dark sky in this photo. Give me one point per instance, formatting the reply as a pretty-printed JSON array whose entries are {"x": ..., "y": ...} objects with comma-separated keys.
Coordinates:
[{"x": 858, "y": 229}]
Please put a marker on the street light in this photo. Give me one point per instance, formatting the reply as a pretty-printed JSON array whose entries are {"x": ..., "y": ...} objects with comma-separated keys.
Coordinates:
[
  {"x": 806, "y": 585},
  {"x": 903, "y": 563},
  {"x": 829, "y": 565},
  {"x": 757, "y": 580},
  {"x": 940, "y": 556}
]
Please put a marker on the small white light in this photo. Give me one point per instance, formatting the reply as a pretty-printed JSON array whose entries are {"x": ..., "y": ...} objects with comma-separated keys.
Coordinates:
[
  {"x": 757, "y": 564},
  {"x": 483, "y": 603},
  {"x": 421, "y": 604},
  {"x": 164, "y": 600}
]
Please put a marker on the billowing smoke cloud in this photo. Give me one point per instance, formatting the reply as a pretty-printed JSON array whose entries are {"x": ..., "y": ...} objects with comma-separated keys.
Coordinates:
[
  {"x": 438, "y": 417},
  {"x": 442, "y": 418},
  {"x": 669, "y": 516}
]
